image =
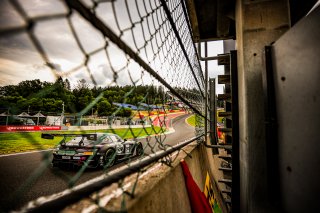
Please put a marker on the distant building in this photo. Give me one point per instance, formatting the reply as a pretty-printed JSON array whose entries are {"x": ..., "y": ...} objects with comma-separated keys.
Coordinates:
[{"x": 54, "y": 120}]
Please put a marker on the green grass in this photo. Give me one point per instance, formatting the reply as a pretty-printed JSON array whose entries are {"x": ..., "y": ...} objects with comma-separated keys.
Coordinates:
[
  {"x": 192, "y": 120},
  {"x": 195, "y": 120},
  {"x": 31, "y": 141}
]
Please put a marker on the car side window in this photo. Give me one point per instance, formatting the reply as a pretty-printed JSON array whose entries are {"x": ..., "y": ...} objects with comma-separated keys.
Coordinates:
[
  {"x": 118, "y": 138},
  {"x": 107, "y": 139},
  {"x": 115, "y": 138}
]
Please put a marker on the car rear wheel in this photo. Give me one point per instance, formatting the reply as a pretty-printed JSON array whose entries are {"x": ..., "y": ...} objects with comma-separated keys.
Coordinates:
[
  {"x": 109, "y": 158},
  {"x": 139, "y": 149},
  {"x": 54, "y": 164}
]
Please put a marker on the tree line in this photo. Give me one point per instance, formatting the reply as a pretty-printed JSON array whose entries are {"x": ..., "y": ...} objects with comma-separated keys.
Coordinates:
[{"x": 53, "y": 98}]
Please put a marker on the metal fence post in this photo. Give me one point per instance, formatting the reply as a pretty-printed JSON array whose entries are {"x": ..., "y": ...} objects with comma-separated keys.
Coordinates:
[
  {"x": 206, "y": 92},
  {"x": 213, "y": 114}
]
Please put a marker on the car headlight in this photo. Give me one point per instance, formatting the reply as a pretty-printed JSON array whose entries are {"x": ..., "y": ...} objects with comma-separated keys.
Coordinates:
[
  {"x": 119, "y": 149},
  {"x": 55, "y": 151}
]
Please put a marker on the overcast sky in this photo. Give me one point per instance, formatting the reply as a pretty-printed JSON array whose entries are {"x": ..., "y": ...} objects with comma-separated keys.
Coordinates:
[{"x": 19, "y": 60}]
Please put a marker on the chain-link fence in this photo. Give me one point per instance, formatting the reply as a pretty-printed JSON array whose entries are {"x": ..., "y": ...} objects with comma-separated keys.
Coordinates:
[{"x": 126, "y": 67}]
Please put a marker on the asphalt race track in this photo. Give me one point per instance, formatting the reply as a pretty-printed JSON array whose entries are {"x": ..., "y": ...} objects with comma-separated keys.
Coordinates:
[{"x": 18, "y": 184}]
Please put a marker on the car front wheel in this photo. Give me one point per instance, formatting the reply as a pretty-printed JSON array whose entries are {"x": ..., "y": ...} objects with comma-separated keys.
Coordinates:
[
  {"x": 109, "y": 158},
  {"x": 139, "y": 149}
]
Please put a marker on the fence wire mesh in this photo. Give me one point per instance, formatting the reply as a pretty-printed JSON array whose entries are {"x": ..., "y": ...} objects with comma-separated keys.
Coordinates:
[{"x": 126, "y": 68}]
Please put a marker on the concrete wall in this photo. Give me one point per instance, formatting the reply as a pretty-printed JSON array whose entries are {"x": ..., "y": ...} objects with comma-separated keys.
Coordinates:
[
  {"x": 159, "y": 189},
  {"x": 258, "y": 23}
]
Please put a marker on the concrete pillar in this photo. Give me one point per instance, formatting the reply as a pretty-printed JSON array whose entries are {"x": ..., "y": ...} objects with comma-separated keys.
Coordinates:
[{"x": 258, "y": 23}]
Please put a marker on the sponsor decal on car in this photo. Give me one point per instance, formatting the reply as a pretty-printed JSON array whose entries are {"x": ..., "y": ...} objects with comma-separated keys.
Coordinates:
[
  {"x": 66, "y": 152},
  {"x": 88, "y": 153}
]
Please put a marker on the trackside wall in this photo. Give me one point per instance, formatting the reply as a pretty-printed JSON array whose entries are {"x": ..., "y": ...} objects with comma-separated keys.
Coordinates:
[{"x": 161, "y": 188}]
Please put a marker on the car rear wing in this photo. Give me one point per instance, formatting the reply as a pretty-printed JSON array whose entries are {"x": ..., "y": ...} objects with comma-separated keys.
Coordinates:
[{"x": 51, "y": 136}]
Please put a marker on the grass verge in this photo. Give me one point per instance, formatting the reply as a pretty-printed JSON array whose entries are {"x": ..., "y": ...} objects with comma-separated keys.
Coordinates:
[
  {"x": 31, "y": 141},
  {"x": 192, "y": 120}
]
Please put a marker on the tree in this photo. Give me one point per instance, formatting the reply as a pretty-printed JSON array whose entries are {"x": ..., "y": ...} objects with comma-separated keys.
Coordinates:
[
  {"x": 83, "y": 95},
  {"x": 104, "y": 108},
  {"x": 136, "y": 99},
  {"x": 29, "y": 88},
  {"x": 9, "y": 90},
  {"x": 82, "y": 84},
  {"x": 97, "y": 91},
  {"x": 35, "y": 104},
  {"x": 124, "y": 112},
  {"x": 48, "y": 97},
  {"x": 49, "y": 105},
  {"x": 67, "y": 85}
]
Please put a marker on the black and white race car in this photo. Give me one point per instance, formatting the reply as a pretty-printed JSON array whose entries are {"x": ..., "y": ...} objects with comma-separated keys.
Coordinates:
[{"x": 93, "y": 150}]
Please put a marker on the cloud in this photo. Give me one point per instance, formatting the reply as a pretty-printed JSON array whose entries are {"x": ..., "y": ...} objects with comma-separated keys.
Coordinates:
[
  {"x": 57, "y": 67},
  {"x": 36, "y": 8},
  {"x": 18, "y": 47},
  {"x": 61, "y": 47},
  {"x": 13, "y": 72},
  {"x": 67, "y": 51},
  {"x": 57, "y": 41},
  {"x": 8, "y": 16}
]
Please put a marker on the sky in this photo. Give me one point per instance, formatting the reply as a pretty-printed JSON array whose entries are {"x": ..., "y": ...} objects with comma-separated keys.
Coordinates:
[
  {"x": 19, "y": 59},
  {"x": 214, "y": 48}
]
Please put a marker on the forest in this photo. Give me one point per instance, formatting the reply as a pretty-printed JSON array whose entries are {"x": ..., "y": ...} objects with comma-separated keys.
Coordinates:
[{"x": 54, "y": 98}]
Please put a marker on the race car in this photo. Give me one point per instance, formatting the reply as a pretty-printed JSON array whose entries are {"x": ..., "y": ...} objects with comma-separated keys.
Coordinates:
[{"x": 93, "y": 150}]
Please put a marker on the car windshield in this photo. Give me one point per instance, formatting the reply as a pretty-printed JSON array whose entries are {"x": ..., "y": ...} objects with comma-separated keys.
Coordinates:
[
  {"x": 102, "y": 139},
  {"x": 110, "y": 138}
]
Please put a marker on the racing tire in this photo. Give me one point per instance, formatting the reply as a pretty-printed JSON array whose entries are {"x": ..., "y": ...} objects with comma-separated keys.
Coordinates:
[
  {"x": 109, "y": 158},
  {"x": 139, "y": 149}
]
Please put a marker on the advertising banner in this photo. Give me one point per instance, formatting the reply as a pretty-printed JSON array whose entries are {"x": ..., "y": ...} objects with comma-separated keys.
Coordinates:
[
  {"x": 28, "y": 128},
  {"x": 208, "y": 192}
]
